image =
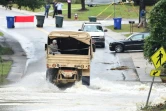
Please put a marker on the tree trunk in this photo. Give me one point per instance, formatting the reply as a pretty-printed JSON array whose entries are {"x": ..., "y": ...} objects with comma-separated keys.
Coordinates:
[{"x": 83, "y": 5}]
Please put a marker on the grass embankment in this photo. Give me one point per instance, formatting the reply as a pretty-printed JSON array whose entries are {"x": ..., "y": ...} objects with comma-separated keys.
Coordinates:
[
  {"x": 104, "y": 12},
  {"x": 158, "y": 107},
  {"x": 1, "y": 34},
  {"x": 126, "y": 28},
  {"x": 100, "y": 11},
  {"x": 5, "y": 65}
]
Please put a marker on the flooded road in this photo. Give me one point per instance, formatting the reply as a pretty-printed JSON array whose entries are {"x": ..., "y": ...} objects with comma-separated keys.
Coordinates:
[
  {"x": 34, "y": 93},
  {"x": 110, "y": 90}
]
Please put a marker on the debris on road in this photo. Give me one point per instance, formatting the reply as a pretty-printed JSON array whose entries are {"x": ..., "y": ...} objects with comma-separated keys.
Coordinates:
[{"x": 120, "y": 68}]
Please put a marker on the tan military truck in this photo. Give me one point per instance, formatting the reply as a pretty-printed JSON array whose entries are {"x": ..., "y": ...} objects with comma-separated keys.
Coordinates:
[{"x": 72, "y": 63}]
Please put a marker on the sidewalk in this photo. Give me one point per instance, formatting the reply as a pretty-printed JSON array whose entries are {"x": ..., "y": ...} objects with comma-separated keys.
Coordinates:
[{"x": 19, "y": 58}]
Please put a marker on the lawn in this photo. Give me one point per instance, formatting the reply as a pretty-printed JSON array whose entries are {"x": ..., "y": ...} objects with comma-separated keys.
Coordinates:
[
  {"x": 105, "y": 12},
  {"x": 100, "y": 11},
  {"x": 1, "y": 34},
  {"x": 128, "y": 28},
  {"x": 5, "y": 67}
]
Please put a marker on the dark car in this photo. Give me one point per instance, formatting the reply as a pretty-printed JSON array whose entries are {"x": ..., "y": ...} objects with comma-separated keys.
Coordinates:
[{"x": 133, "y": 42}]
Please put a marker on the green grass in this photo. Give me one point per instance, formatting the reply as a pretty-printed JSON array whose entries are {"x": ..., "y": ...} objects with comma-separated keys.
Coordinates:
[
  {"x": 100, "y": 11},
  {"x": 103, "y": 12},
  {"x": 5, "y": 67},
  {"x": 65, "y": 7},
  {"x": 1, "y": 34},
  {"x": 158, "y": 107},
  {"x": 5, "y": 51},
  {"x": 126, "y": 28},
  {"x": 127, "y": 35}
]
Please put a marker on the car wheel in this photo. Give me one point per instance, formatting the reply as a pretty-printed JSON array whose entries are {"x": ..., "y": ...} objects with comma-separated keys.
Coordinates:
[{"x": 119, "y": 48}]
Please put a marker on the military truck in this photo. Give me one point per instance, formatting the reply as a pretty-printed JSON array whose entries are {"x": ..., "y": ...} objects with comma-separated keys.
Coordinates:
[{"x": 73, "y": 62}]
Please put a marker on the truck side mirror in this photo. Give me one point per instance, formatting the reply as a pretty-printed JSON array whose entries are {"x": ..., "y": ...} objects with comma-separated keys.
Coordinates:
[
  {"x": 94, "y": 47},
  {"x": 45, "y": 46},
  {"x": 105, "y": 30}
]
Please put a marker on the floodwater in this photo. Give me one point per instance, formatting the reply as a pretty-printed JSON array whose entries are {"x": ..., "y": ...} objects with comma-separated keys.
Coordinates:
[
  {"x": 108, "y": 90},
  {"x": 34, "y": 93}
]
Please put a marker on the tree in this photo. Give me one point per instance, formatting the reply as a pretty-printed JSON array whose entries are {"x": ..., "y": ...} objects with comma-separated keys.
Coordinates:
[
  {"x": 83, "y": 5},
  {"x": 157, "y": 27},
  {"x": 32, "y": 4},
  {"x": 4, "y": 2}
]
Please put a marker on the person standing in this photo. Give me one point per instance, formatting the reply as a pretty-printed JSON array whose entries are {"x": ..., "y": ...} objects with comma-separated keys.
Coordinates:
[
  {"x": 59, "y": 7},
  {"x": 55, "y": 9},
  {"x": 143, "y": 19},
  {"x": 47, "y": 8}
]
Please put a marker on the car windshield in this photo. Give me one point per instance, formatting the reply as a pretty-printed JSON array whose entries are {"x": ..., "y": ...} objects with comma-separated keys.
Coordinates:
[{"x": 93, "y": 28}]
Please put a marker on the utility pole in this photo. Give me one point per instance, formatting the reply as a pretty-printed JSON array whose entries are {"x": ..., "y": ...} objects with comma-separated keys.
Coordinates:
[
  {"x": 69, "y": 8},
  {"x": 114, "y": 8},
  {"x": 142, "y": 6}
]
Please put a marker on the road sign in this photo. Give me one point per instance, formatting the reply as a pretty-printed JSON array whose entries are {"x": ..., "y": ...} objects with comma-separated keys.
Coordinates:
[
  {"x": 159, "y": 57},
  {"x": 155, "y": 72}
]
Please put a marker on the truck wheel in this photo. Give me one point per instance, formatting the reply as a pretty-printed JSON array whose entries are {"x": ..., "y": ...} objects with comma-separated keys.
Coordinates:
[
  {"x": 49, "y": 75},
  {"x": 86, "y": 80},
  {"x": 79, "y": 74}
]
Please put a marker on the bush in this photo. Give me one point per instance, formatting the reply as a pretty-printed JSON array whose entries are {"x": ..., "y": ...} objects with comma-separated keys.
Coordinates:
[{"x": 157, "y": 29}]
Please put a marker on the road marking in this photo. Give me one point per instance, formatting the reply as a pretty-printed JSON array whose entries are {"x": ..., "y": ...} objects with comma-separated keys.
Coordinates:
[{"x": 42, "y": 30}]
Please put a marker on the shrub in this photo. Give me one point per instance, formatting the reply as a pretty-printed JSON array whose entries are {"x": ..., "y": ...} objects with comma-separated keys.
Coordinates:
[{"x": 157, "y": 29}]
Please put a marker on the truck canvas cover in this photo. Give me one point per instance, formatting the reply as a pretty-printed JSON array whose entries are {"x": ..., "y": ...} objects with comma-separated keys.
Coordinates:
[{"x": 80, "y": 36}]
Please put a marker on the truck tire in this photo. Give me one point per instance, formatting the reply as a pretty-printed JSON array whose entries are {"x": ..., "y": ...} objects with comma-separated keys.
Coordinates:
[
  {"x": 79, "y": 74},
  {"x": 86, "y": 80},
  {"x": 51, "y": 74}
]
